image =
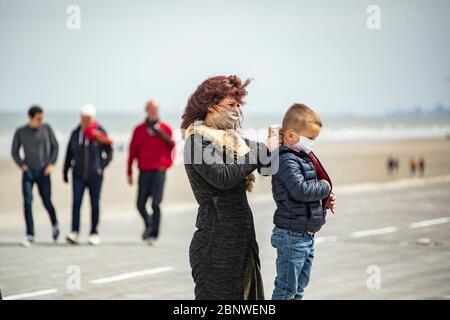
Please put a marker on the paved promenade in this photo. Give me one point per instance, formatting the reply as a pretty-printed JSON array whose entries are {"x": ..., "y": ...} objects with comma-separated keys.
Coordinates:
[{"x": 387, "y": 241}]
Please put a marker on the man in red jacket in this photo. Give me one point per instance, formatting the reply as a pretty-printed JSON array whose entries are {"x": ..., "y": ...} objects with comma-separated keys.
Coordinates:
[{"x": 153, "y": 147}]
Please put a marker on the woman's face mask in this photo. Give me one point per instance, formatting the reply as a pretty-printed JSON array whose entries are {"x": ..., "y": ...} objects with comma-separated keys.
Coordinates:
[
  {"x": 305, "y": 144},
  {"x": 226, "y": 119}
]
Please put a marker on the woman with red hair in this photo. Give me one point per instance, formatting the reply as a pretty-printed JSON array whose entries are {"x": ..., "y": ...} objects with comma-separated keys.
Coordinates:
[{"x": 223, "y": 253}]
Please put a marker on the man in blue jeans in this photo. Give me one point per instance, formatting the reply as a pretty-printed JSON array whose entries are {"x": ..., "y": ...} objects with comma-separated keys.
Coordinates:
[
  {"x": 41, "y": 151},
  {"x": 88, "y": 153}
]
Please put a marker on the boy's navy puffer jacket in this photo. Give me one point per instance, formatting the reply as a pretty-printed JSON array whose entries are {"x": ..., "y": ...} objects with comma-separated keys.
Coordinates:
[{"x": 297, "y": 193}]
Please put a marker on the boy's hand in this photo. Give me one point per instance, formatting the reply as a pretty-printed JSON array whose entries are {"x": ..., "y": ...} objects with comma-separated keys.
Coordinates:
[{"x": 331, "y": 203}]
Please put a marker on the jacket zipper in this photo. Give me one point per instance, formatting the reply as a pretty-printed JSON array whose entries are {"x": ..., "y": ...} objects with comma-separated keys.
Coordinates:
[
  {"x": 326, "y": 173},
  {"x": 86, "y": 159},
  {"x": 328, "y": 177}
]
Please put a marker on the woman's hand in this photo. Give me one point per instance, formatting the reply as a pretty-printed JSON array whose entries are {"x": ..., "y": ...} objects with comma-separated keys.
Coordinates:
[
  {"x": 274, "y": 139},
  {"x": 273, "y": 143}
]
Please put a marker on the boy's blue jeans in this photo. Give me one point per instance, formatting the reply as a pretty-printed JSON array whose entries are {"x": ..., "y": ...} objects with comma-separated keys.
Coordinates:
[{"x": 295, "y": 253}]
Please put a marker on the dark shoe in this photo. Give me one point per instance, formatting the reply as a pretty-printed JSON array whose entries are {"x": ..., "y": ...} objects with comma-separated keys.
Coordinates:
[
  {"x": 55, "y": 232},
  {"x": 146, "y": 233}
]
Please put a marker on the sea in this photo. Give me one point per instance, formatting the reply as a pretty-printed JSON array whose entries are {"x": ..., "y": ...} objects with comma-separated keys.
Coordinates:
[{"x": 336, "y": 127}]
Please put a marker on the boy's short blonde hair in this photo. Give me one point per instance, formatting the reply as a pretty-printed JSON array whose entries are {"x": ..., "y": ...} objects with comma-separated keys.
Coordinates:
[{"x": 300, "y": 116}]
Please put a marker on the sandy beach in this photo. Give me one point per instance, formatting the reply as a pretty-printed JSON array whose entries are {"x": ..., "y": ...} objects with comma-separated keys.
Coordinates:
[{"x": 348, "y": 163}]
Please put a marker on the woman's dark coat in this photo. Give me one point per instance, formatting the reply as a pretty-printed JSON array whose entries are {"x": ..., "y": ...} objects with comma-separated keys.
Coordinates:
[{"x": 223, "y": 252}]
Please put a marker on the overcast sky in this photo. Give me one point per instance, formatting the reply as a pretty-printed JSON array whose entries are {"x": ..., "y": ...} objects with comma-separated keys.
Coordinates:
[{"x": 317, "y": 52}]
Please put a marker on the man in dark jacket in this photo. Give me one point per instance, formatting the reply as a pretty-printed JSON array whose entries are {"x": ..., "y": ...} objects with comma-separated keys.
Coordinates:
[
  {"x": 88, "y": 153},
  {"x": 41, "y": 151},
  {"x": 302, "y": 192}
]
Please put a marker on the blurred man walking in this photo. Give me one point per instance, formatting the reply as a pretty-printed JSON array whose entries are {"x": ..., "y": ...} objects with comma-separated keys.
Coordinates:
[
  {"x": 40, "y": 149},
  {"x": 152, "y": 146},
  {"x": 88, "y": 153}
]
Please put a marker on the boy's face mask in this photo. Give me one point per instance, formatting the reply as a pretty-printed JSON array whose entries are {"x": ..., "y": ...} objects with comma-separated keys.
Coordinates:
[
  {"x": 305, "y": 144},
  {"x": 227, "y": 119}
]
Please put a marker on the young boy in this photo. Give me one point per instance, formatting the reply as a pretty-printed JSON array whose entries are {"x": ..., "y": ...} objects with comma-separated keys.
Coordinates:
[{"x": 302, "y": 191}]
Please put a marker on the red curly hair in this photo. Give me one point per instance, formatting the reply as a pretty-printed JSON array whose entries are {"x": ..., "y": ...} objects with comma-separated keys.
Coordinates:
[{"x": 211, "y": 92}]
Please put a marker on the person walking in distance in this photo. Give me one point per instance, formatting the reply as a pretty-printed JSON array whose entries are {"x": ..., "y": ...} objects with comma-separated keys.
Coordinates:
[
  {"x": 88, "y": 153},
  {"x": 40, "y": 149},
  {"x": 412, "y": 166},
  {"x": 390, "y": 165},
  {"x": 421, "y": 166},
  {"x": 152, "y": 145}
]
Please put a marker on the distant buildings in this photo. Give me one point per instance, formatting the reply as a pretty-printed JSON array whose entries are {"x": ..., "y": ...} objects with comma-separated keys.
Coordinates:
[{"x": 437, "y": 111}]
